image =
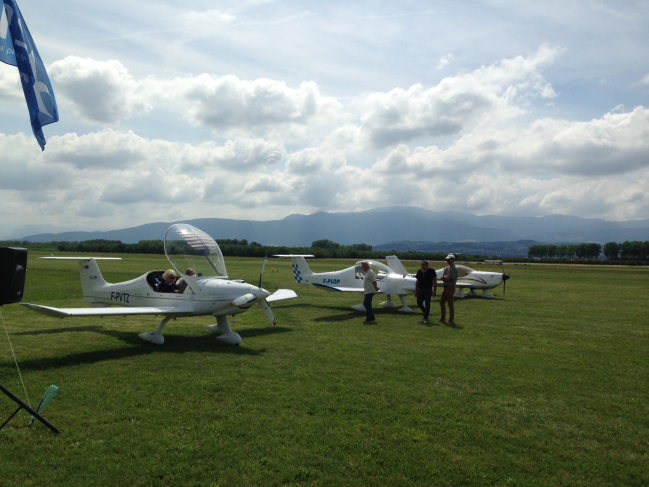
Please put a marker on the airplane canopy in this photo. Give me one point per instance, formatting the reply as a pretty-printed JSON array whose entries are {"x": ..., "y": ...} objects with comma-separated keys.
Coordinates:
[
  {"x": 197, "y": 251},
  {"x": 377, "y": 267}
]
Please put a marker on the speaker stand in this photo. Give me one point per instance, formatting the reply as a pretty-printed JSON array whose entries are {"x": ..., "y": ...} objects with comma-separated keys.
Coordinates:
[{"x": 22, "y": 405}]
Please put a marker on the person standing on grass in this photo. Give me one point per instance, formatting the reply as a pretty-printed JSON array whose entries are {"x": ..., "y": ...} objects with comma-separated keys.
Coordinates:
[
  {"x": 425, "y": 288},
  {"x": 369, "y": 287},
  {"x": 449, "y": 278}
]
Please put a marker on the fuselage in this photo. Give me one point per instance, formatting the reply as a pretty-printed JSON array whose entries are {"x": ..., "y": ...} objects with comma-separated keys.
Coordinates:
[
  {"x": 390, "y": 282},
  {"x": 214, "y": 296}
]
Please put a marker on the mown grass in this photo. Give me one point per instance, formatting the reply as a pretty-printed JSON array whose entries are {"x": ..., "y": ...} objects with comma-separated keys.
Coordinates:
[{"x": 547, "y": 385}]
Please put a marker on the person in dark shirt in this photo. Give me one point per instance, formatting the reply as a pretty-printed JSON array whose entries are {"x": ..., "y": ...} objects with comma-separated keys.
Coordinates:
[{"x": 425, "y": 288}]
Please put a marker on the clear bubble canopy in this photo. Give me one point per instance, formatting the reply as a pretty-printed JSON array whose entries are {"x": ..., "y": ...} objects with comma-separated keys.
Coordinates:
[{"x": 196, "y": 251}]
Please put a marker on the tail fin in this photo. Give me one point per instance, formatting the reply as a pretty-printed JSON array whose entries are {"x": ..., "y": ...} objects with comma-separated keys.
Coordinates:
[
  {"x": 300, "y": 267},
  {"x": 395, "y": 264},
  {"x": 91, "y": 279}
]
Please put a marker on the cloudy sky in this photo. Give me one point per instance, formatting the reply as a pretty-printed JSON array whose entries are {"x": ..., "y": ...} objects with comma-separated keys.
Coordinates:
[{"x": 256, "y": 109}]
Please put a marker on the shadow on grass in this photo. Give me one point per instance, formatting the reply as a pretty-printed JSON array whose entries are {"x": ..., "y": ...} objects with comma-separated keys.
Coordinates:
[
  {"x": 173, "y": 344},
  {"x": 269, "y": 330},
  {"x": 454, "y": 326},
  {"x": 342, "y": 317},
  {"x": 432, "y": 323},
  {"x": 292, "y": 305}
]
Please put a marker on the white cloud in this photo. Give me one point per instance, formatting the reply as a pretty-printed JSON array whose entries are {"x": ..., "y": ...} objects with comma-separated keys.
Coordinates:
[
  {"x": 645, "y": 79},
  {"x": 445, "y": 60},
  {"x": 614, "y": 144},
  {"x": 489, "y": 94},
  {"x": 236, "y": 155},
  {"x": 10, "y": 89},
  {"x": 105, "y": 92},
  {"x": 99, "y": 91},
  {"x": 108, "y": 150},
  {"x": 228, "y": 102}
]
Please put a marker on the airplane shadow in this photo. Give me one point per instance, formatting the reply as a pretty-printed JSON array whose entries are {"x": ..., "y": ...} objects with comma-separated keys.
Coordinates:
[
  {"x": 255, "y": 332},
  {"x": 173, "y": 344}
]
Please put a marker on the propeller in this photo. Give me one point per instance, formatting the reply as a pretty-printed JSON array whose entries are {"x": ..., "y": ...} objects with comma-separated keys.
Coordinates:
[
  {"x": 264, "y": 304},
  {"x": 262, "y": 269},
  {"x": 505, "y": 277},
  {"x": 266, "y": 309}
]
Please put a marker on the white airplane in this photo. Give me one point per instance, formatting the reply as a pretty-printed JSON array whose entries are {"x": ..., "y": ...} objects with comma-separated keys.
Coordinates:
[
  {"x": 207, "y": 292},
  {"x": 392, "y": 279}
]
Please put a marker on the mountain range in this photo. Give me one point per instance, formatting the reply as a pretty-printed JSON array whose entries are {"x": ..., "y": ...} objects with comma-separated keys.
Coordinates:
[{"x": 384, "y": 225}]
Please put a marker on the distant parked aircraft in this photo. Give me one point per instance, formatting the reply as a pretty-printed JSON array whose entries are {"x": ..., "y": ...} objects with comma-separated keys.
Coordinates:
[{"x": 392, "y": 279}]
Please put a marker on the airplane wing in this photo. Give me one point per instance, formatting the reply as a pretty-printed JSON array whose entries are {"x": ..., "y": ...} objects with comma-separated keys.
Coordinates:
[
  {"x": 67, "y": 312},
  {"x": 358, "y": 290},
  {"x": 281, "y": 294}
]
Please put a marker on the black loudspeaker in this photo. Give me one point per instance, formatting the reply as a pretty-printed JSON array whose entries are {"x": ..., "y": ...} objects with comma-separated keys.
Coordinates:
[{"x": 13, "y": 266}]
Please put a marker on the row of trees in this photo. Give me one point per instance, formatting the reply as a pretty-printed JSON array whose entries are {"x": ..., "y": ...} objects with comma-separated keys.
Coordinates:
[
  {"x": 635, "y": 250},
  {"x": 627, "y": 250},
  {"x": 234, "y": 248},
  {"x": 582, "y": 251}
]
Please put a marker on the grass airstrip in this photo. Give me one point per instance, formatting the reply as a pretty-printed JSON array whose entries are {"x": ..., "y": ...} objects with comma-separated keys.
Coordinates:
[{"x": 546, "y": 385}]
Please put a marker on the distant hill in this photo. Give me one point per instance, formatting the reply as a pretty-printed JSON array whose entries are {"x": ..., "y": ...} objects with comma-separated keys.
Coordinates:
[{"x": 384, "y": 225}]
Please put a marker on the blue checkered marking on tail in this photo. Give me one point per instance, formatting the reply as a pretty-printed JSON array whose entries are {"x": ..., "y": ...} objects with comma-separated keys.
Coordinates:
[{"x": 296, "y": 272}]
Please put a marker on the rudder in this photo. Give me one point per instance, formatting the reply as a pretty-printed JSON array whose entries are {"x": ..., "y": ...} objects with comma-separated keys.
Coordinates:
[
  {"x": 91, "y": 278},
  {"x": 300, "y": 267}
]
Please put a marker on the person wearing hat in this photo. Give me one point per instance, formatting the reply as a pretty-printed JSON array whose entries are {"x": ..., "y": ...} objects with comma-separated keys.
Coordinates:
[
  {"x": 449, "y": 278},
  {"x": 425, "y": 288}
]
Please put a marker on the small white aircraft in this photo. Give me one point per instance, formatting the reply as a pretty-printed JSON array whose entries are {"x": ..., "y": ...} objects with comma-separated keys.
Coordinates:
[
  {"x": 392, "y": 279},
  {"x": 207, "y": 292}
]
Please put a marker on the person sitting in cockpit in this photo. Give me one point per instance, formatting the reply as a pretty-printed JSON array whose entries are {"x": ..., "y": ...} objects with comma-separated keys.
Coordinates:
[
  {"x": 181, "y": 283},
  {"x": 168, "y": 283}
]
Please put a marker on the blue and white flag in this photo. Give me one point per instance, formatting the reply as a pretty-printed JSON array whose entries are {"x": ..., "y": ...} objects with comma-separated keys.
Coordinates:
[{"x": 17, "y": 48}]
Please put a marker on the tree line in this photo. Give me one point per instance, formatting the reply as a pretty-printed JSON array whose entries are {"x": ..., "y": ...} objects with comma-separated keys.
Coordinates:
[
  {"x": 635, "y": 250},
  {"x": 581, "y": 251},
  {"x": 627, "y": 250},
  {"x": 233, "y": 248}
]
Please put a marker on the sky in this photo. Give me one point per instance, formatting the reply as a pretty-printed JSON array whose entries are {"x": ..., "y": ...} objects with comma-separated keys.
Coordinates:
[{"x": 258, "y": 109}]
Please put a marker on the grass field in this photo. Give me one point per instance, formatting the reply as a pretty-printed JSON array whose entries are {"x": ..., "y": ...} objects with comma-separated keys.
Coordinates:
[{"x": 547, "y": 385}]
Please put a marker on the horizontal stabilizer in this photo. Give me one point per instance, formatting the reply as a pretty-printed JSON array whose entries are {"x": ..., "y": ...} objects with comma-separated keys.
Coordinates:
[
  {"x": 68, "y": 312},
  {"x": 79, "y": 258},
  {"x": 293, "y": 255},
  {"x": 281, "y": 294}
]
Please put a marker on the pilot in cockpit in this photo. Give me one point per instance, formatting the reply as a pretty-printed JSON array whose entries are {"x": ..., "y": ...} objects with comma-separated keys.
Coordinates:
[
  {"x": 181, "y": 283},
  {"x": 168, "y": 283}
]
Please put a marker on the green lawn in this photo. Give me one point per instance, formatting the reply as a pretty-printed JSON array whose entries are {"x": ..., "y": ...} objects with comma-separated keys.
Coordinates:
[{"x": 547, "y": 385}]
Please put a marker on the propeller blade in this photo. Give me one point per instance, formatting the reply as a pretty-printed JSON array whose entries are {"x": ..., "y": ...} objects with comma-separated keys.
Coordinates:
[
  {"x": 262, "y": 270},
  {"x": 269, "y": 312},
  {"x": 505, "y": 277},
  {"x": 243, "y": 300}
]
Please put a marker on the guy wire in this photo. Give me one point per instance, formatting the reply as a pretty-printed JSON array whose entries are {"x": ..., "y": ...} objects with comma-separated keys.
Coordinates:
[{"x": 15, "y": 360}]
